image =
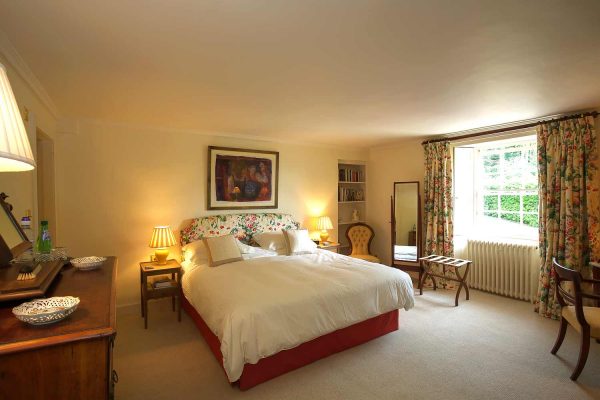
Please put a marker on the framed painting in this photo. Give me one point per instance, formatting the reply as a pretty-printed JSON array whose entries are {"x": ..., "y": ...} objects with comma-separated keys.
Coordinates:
[{"x": 240, "y": 179}]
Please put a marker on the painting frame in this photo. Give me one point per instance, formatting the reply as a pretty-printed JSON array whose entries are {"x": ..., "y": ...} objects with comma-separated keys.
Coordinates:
[{"x": 217, "y": 155}]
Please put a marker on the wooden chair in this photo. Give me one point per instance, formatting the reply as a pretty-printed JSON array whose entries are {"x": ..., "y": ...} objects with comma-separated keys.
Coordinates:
[
  {"x": 585, "y": 320},
  {"x": 360, "y": 236}
]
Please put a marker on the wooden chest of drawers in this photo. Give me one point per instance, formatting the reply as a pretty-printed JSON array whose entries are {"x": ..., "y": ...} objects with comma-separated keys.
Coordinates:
[{"x": 71, "y": 359}]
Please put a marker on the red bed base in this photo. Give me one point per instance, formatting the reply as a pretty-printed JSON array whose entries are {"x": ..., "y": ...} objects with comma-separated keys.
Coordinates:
[{"x": 306, "y": 353}]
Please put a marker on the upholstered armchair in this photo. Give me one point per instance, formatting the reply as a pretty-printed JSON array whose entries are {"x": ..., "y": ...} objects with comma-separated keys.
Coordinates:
[{"x": 360, "y": 237}]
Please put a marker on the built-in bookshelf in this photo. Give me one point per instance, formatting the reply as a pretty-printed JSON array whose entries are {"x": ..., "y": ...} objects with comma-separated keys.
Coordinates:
[{"x": 352, "y": 195}]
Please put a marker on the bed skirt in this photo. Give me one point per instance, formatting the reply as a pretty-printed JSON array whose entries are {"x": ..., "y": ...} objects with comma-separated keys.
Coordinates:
[{"x": 306, "y": 353}]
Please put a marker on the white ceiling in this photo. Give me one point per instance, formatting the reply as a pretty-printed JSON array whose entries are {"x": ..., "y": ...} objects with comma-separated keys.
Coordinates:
[{"x": 350, "y": 71}]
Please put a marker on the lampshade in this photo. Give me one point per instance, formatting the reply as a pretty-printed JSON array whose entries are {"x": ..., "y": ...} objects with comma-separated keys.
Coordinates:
[
  {"x": 324, "y": 222},
  {"x": 162, "y": 237},
  {"x": 15, "y": 151}
]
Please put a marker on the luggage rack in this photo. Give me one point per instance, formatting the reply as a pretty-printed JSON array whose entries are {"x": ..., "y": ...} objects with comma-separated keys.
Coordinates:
[{"x": 446, "y": 262}]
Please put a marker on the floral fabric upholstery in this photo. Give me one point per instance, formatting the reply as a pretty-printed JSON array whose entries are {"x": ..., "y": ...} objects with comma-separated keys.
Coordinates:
[
  {"x": 242, "y": 226},
  {"x": 569, "y": 226},
  {"x": 438, "y": 207}
]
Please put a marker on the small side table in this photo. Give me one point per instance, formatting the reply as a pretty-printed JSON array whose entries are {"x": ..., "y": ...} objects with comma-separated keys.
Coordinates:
[
  {"x": 148, "y": 291},
  {"x": 446, "y": 262},
  {"x": 331, "y": 246}
]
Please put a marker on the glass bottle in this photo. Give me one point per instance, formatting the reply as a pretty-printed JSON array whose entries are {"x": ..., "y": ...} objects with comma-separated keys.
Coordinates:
[{"x": 44, "y": 242}]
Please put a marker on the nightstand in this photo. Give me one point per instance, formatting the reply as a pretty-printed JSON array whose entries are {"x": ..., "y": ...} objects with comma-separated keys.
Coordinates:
[
  {"x": 331, "y": 246},
  {"x": 149, "y": 291}
]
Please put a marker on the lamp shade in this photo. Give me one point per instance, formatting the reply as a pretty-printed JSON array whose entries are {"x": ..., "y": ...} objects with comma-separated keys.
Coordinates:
[
  {"x": 15, "y": 151},
  {"x": 324, "y": 223},
  {"x": 162, "y": 237}
]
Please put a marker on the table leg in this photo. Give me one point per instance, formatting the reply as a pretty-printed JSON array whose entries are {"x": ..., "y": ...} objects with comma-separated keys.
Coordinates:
[
  {"x": 142, "y": 292},
  {"x": 173, "y": 297},
  {"x": 146, "y": 314},
  {"x": 179, "y": 308}
]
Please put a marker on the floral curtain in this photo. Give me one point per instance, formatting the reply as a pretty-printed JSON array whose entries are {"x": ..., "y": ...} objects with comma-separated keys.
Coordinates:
[
  {"x": 569, "y": 203},
  {"x": 438, "y": 202}
]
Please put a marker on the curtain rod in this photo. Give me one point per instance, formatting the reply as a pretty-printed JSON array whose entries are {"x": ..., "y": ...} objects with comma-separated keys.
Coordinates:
[{"x": 511, "y": 128}]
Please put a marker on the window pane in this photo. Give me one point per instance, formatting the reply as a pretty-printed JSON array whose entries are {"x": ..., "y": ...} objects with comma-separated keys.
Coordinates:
[
  {"x": 530, "y": 203},
  {"x": 490, "y": 214},
  {"x": 531, "y": 220},
  {"x": 491, "y": 163},
  {"x": 511, "y": 217},
  {"x": 510, "y": 202},
  {"x": 490, "y": 202},
  {"x": 491, "y": 182}
]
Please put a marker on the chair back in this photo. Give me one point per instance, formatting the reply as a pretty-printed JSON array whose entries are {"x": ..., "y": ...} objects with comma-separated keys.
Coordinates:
[
  {"x": 565, "y": 298},
  {"x": 360, "y": 236}
]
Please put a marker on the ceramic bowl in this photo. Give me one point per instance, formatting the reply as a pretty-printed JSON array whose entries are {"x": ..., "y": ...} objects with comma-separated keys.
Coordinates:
[
  {"x": 88, "y": 263},
  {"x": 46, "y": 311}
]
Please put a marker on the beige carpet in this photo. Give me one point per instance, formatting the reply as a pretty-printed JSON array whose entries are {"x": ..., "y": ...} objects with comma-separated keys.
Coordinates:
[{"x": 488, "y": 348}]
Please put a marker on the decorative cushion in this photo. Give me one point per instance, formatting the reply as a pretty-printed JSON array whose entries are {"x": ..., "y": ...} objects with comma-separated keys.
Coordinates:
[
  {"x": 222, "y": 250},
  {"x": 274, "y": 241},
  {"x": 299, "y": 242},
  {"x": 242, "y": 226},
  {"x": 592, "y": 317}
]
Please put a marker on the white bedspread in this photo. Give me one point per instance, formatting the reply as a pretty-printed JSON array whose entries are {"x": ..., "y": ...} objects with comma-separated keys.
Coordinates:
[{"x": 261, "y": 306}]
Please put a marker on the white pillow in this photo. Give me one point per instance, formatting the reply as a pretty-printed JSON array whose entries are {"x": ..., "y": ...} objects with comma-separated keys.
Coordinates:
[
  {"x": 222, "y": 250},
  {"x": 299, "y": 242},
  {"x": 195, "y": 252},
  {"x": 246, "y": 248},
  {"x": 272, "y": 241}
]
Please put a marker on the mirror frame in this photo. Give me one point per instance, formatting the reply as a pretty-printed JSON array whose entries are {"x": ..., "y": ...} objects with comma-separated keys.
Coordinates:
[
  {"x": 19, "y": 248},
  {"x": 419, "y": 224}
]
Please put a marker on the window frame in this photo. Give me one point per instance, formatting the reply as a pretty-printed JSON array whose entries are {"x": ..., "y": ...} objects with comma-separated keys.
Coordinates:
[{"x": 480, "y": 224}]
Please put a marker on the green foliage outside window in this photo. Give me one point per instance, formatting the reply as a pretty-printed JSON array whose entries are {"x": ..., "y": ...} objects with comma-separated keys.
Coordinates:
[
  {"x": 510, "y": 202},
  {"x": 510, "y": 217},
  {"x": 530, "y": 203},
  {"x": 531, "y": 220},
  {"x": 490, "y": 202}
]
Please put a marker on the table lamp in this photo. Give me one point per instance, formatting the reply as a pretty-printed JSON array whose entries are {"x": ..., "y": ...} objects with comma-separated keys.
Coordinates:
[
  {"x": 323, "y": 224},
  {"x": 15, "y": 151},
  {"x": 162, "y": 239}
]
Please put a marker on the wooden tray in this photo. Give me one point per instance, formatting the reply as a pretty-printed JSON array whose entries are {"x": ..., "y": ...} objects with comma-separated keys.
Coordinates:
[{"x": 12, "y": 289}]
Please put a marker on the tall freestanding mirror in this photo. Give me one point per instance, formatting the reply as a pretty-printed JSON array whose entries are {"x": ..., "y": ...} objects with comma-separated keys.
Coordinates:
[{"x": 406, "y": 226}]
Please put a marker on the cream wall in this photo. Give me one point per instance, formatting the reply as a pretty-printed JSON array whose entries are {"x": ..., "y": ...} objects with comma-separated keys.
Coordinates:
[
  {"x": 117, "y": 182},
  {"x": 402, "y": 161}
]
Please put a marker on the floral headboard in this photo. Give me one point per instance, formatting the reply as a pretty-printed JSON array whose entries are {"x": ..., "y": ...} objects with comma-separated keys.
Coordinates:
[{"x": 242, "y": 226}]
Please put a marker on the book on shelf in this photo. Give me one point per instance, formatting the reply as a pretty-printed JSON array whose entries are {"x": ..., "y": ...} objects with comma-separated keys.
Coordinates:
[
  {"x": 350, "y": 194},
  {"x": 351, "y": 175}
]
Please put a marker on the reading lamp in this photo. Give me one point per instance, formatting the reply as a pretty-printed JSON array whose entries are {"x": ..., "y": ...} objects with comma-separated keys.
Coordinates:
[
  {"x": 162, "y": 239},
  {"x": 15, "y": 151},
  {"x": 323, "y": 224}
]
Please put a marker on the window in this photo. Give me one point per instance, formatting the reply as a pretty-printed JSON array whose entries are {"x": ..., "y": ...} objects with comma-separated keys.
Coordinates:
[{"x": 503, "y": 193}]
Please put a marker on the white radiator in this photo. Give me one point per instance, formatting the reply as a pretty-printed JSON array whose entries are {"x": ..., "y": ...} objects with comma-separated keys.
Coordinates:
[{"x": 504, "y": 268}]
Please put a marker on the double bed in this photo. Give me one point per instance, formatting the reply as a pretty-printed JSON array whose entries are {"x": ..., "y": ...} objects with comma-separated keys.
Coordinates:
[{"x": 269, "y": 314}]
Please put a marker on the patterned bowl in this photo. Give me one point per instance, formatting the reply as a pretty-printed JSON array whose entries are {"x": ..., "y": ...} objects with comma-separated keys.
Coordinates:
[
  {"x": 46, "y": 311},
  {"x": 87, "y": 263}
]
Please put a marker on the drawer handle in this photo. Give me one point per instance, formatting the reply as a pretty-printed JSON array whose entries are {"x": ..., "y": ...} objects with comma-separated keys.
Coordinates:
[{"x": 115, "y": 376}]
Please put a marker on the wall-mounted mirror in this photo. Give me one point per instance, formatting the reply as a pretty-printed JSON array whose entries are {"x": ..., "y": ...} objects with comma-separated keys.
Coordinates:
[
  {"x": 11, "y": 234},
  {"x": 406, "y": 223}
]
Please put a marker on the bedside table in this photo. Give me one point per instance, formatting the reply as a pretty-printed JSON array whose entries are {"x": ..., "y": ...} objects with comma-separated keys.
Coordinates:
[
  {"x": 331, "y": 246},
  {"x": 148, "y": 291}
]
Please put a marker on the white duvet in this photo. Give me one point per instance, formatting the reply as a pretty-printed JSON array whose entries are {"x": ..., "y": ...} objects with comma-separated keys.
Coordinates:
[{"x": 261, "y": 306}]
